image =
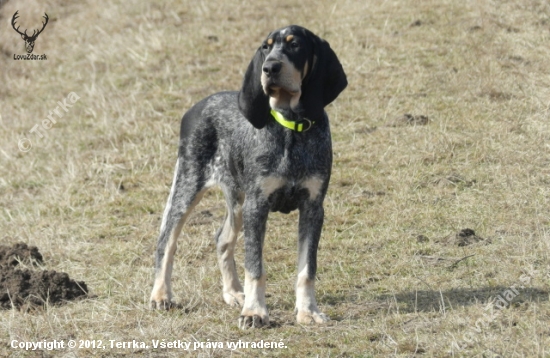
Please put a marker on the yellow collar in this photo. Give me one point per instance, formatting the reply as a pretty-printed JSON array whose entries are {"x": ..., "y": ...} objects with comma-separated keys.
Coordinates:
[{"x": 301, "y": 126}]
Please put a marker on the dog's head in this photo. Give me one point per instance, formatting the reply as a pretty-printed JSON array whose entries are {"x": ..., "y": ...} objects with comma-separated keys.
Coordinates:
[{"x": 293, "y": 70}]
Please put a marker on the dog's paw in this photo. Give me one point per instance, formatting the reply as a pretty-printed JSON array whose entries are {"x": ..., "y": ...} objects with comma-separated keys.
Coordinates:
[
  {"x": 253, "y": 321},
  {"x": 162, "y": 304},
  {"x": 305, "y": 317},
  {"x": 234, "y": 299},
  {"x": 161, "y": 298}
]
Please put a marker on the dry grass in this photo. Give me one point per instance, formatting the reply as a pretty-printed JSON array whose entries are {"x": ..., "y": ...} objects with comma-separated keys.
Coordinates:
[{"x": 90, "y": 194}]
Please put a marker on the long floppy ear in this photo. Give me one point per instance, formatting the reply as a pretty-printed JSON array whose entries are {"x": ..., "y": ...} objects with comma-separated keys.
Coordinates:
[
  {"x": 325, "y": 81},
  {"x": 253, "y": 102}
]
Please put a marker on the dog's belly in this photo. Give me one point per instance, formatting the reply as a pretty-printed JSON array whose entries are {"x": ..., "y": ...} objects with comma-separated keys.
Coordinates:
[
  {"x": 286, "y": 195},
  {"x": 287, "y": 198}
]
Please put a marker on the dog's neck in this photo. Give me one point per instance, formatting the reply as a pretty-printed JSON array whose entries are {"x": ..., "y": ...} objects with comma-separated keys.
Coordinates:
[
  {"x": 302, "y": 124},
  {"x": 292, "y": 114}
]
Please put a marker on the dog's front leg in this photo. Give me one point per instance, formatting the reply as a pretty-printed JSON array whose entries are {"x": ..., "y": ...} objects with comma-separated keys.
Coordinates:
[
  {"x": 254, "y": 313},
  {"x": 310, "y": 225}
]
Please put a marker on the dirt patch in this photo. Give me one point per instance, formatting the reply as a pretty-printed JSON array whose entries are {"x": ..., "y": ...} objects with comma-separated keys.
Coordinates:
[
  {"x": 464, "y": 237},
  {"x": 408, "y": 120},
  {"x": 25, "y": 288},
  {"x": 201, "y": 218},
  {"x": 453, "y": 180}
]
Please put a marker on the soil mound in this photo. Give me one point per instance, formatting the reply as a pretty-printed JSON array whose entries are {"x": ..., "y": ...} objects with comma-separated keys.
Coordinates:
[
  {"x": 20, "y": 252},
  {"x": 25, "y": 288}
]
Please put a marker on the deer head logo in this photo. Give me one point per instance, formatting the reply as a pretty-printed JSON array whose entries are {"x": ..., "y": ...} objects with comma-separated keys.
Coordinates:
[{"x": 29, "y": 40}]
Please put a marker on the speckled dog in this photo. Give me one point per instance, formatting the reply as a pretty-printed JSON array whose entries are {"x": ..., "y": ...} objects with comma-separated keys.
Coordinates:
[{"x": 268, "y": 147}]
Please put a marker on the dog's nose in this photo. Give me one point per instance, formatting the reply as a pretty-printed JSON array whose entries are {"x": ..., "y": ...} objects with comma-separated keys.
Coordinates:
[{"x": 272, "y": 67}]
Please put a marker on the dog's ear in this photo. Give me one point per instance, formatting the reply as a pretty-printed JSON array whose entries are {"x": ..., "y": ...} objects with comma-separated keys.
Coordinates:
[
  {"x": 325, "y": 81},
  {"x": 253, "y": 102}
]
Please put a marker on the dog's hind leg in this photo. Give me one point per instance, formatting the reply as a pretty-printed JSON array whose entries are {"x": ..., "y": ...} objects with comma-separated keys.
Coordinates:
[
  {"x": 185, "y": 194},
  {"x": 225, "y": 246}
]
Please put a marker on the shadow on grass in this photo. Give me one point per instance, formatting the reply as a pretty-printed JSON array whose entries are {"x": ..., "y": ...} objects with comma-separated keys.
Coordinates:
[
  {"x": 436, "y": 301},
  {"x": 429, "y": 301}
]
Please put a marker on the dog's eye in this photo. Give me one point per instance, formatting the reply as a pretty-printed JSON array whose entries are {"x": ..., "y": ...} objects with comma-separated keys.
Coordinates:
[
  {"x": 294, "y": 45},
  {"x": 265, "y": 46}
]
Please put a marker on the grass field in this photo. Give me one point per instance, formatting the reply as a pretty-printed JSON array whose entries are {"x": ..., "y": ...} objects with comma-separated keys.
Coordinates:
[{"x": 394, "y": 276}]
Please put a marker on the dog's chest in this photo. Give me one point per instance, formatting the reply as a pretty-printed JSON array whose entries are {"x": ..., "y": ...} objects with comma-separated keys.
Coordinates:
[
  {"x": 293, "y": 156},
  {"x": 287, "y": 170}
]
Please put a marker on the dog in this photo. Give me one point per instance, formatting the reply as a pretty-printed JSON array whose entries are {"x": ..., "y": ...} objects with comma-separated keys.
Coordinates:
[{"x": 268, "y": 147}]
